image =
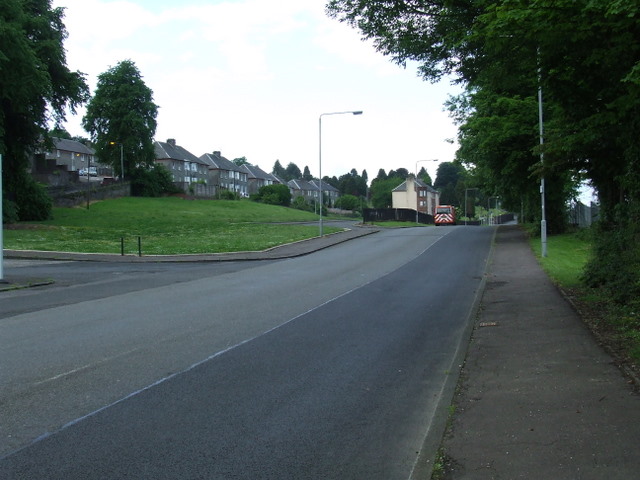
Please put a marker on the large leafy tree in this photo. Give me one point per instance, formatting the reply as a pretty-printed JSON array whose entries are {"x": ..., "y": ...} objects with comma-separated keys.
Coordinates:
[
  {"x": 36, "y": 88},
  {"x": 122, "y": 113},
  {"x": 584, "y": 56}
]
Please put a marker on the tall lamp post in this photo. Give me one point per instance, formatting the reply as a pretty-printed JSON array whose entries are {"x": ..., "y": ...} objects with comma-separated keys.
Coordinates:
[
  {"x": 416, "y": 184},
  {"x": 352, "y": 112},
  {"x": 121, "y": 158},
  {"x": 543, "y": 221}
]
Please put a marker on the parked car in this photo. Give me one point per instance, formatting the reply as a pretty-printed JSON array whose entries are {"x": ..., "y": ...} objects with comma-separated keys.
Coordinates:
[{"x": 108, "y": 181}]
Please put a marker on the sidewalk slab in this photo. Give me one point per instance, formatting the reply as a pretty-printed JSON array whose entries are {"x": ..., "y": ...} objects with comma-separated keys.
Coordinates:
[{"x": 538, "y": 398}]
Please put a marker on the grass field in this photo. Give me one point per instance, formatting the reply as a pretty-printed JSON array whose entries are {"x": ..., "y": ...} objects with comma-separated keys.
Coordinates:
[{"x": 166, "y": 226}]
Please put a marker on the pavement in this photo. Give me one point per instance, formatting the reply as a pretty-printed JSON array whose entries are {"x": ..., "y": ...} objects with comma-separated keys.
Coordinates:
[{"x": 538, "y": 397}]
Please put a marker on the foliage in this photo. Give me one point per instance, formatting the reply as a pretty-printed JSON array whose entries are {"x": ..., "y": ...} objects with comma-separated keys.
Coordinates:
[
  {"x": 306, "y": 175},
  {"x": 348, "y": 202},
  {"x": 228, "y": 195},
  {"x": 152, "y": 182},
  {"x": 278, "y": 170},
  {"x": 36, "y": 87},
  {"x": 274, "y": 195},
  {"x": 122, "y": 114},
  {"x": 292, "y": 172},
  {"x": 241, "y": 161},
  {"x": 168, "y": 225},
  {"x": 353, "y": 184},
  {"x": 581, "y": 56},
  {"x": 301, "y": 203},
  {"x": 9, "y": 212},
  {"x": 381, "y": 196}
]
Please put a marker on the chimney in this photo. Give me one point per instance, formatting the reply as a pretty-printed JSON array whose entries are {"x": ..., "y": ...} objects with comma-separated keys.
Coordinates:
[
  {"x": 216, "y": 153},
  {"x": 172, "y": 142}
]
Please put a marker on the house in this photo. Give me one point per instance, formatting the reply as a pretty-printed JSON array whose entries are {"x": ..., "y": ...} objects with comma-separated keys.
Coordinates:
[
  {"x": 415, "y": 194},
  {"x": 330, "y": 192},
  {"x": 226, "y": 175},
  {"x": 189, "y": 173},
  {"x": 73, "y": 155},
  {"x": 304, "y": 189},
  {"x": 257, "y": 178}
]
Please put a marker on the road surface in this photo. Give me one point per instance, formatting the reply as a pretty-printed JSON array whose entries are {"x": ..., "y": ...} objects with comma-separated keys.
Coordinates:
[{"x": 338, "y": 364}]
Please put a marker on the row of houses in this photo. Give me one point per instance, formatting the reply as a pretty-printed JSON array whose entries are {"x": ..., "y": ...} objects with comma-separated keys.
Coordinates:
[{"x": 206, "y": 175}]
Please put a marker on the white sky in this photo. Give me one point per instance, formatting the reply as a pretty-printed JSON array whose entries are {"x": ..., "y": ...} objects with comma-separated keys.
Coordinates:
[{"x": 251, "y": 78}]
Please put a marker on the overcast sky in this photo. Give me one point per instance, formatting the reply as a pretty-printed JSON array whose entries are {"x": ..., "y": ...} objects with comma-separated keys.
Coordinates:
[{"x": 250, "y": 78}]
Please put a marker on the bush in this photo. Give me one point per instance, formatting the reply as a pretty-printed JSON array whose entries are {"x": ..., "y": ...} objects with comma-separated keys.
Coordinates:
[
  {"x": 152, "y": 182},
  {"x": 228, "y": 195},
  {"x": 9, "y": 211},
  {"x": 274, "y": 195},
  {"x": 300, "y": 203},
  {"x": 348, "y": 202},
  {"x": 32, "y": 202}
]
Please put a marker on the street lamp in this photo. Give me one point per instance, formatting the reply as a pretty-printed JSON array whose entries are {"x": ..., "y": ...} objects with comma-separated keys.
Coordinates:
[
  {"x": 543, "y": 221},
  {"x": 121, "y": 158},
  {"x": 416, "y": 184},
  {"x": 353, "y": 112}
]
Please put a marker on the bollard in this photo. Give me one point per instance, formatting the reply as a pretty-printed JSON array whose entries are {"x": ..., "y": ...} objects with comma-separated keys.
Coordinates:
[
  {"x": 139, "y": 246},
  {"x": 122, "y": 246}
]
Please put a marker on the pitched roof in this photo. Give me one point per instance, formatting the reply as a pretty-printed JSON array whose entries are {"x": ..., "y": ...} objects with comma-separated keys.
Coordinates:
[
  {"x": 256, "y": 172},
  {"x": 218, "y": 162},
  {"x": 67, "y": 145},
  {"x": 170, "y": 150},
  {"x": 302, "y": 185},
  {"x": 327, "y": 187},
  {"x": 403, "y": 186}
]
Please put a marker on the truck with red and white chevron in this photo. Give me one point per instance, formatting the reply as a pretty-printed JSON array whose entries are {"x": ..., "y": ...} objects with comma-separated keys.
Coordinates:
[{"x": 445, "y": 215}]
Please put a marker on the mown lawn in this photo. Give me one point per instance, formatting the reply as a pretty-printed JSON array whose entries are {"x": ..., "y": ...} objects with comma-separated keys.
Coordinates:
[{"x": 166, "y": 226}]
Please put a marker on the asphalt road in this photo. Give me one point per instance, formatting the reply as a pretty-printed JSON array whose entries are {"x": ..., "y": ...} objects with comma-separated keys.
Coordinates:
[{"x": 337, "y": 364}]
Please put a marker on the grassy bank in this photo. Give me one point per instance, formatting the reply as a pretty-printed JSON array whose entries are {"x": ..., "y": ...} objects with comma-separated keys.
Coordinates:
[
  {"x": 617, "y": 326},
  {"x": 166, "y": 226}
]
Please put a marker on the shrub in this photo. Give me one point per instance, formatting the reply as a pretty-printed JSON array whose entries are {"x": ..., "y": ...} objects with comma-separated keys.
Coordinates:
[
  {"x": 152, "y": 182},
  {"x": 32, "y": 202},
  {"x": 348, "y": 202},
  {"x": 228, "y": 195},
  {"x": 9, "y": 211},
  {"x": 275, "y": 195}
]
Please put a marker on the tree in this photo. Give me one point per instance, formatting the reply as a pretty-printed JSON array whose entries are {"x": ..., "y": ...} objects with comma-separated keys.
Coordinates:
[
  {"x": 381, "y": 189},
  {"x": 241, "y": 161},
  {"x": 36, "y": 87},
  {"x": 583, "y": 55},
  {"x": 307, "y": 174},
  {"x": 122, "y": 112},
  {"x": 278, "y": 170},
  {"x": 292, "y": 172},
  {"x": 424, "y": 176}
]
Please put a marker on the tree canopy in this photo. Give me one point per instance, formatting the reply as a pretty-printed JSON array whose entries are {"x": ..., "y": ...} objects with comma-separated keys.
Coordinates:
[
  {"x": 36, "y": 88},
  {"x": 581, "y": 56},
  {"x": 122, "y": 113}
]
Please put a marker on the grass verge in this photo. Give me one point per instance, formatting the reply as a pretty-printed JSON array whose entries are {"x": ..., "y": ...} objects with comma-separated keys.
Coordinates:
[
  {"x": 616, "y": 326},
  {"x": 166, "y": 226}
]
